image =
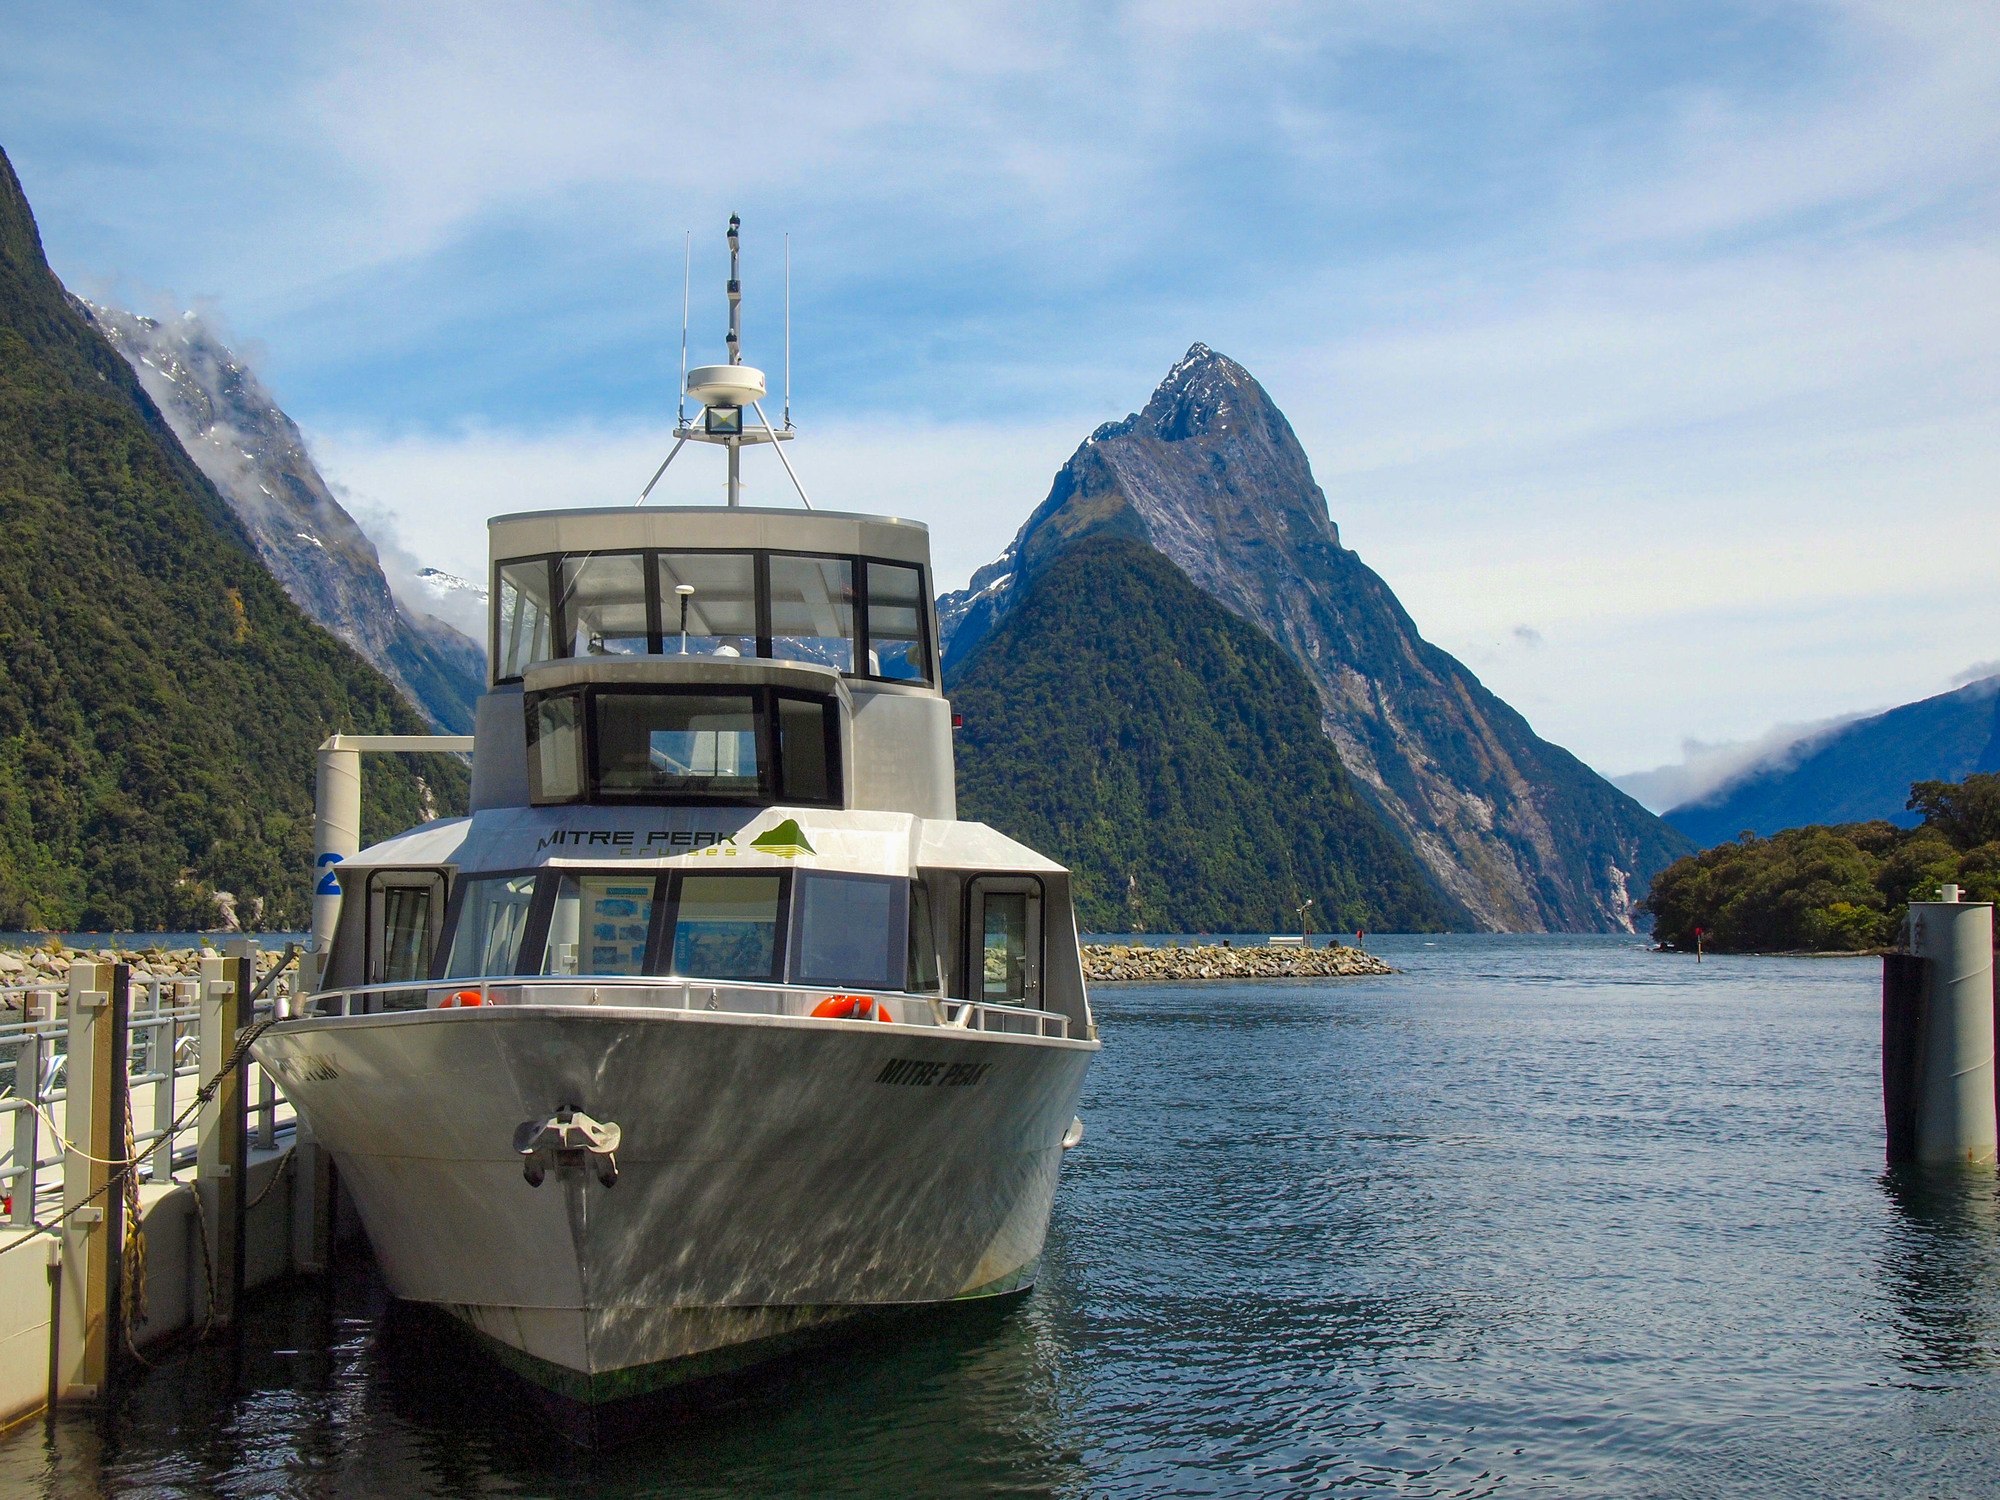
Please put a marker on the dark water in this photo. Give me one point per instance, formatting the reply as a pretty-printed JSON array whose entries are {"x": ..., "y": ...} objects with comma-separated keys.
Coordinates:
[{"x": 1541, "y": 1216}]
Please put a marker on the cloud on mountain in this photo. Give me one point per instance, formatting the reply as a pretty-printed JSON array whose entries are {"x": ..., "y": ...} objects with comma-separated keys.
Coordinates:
[{"x": 1705, "y": 769}]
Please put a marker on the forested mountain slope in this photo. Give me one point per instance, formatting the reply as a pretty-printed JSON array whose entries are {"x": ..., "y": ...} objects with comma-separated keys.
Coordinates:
[
  {"x": 1124, "y": 723},
  {"x": 1843, "y": 887},
  {"x": 162, "y": 697}
]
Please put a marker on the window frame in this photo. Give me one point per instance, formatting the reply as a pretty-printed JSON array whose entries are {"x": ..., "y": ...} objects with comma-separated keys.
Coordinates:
[
  {"x": 656, "y": 614},
  {"x": 375, "y": 886},
  {"x": 771, "y": 789},
  {"x": 564, "y": 626},
  {"x": 664, "y": 923},
  {"x": 541, "y": 917},
  {"x": 550, "y": 581},
  {"x": 898, "y": 947},
  {"x": 660, "y": 950},
  {"x": 534, "y": 931}
]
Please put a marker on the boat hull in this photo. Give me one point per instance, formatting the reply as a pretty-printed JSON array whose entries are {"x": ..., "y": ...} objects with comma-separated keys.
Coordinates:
[{"x": 775, "y": 1176}]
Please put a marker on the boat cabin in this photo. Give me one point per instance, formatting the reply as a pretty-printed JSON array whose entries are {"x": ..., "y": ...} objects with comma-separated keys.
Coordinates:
[
  {"x": 717, "y": 655},
  {"x": 713, "y": 749}
]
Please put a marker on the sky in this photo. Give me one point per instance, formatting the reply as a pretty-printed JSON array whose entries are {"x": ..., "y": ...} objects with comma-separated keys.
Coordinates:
[{"x": 1650, "y": 352}]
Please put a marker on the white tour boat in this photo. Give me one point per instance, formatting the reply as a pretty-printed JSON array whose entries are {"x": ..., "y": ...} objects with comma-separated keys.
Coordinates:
[{"x": 711, "y": 1027}]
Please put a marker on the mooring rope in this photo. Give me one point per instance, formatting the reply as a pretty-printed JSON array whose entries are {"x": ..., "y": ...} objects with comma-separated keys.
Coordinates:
[{"x": 132, "y": 1265}]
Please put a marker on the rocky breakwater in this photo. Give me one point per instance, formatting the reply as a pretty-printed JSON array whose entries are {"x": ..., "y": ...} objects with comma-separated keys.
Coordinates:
[
  {"x": 1104, "y": 961},
  {"x": 47, "y": 967}
]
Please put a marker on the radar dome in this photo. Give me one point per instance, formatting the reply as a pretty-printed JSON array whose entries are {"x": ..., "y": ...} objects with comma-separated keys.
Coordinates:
[{"x": 726, "y": 385}]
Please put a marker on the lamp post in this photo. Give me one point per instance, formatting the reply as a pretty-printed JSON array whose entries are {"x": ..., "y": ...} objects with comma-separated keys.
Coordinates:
[
  {"x": 686, "y": 592},
  {"x": 1304, "y": 931}
]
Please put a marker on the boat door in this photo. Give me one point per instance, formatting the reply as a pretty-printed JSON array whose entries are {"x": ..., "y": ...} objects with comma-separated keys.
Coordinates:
[
  {"x": 405, "y": 918},
  {"x": 1004, "y": 951}
]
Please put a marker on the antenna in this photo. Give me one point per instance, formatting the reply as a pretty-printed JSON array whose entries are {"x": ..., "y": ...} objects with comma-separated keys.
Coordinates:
[
  {"x": 735, "y": 294},
  {"x": 687, "y": 272},
  {"x": 788, "y": 340}
]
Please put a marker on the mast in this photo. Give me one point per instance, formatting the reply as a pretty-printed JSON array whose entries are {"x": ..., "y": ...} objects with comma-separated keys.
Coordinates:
[
  {"x": 735, "y": 342},
  {"x": 726, "y": 392}
]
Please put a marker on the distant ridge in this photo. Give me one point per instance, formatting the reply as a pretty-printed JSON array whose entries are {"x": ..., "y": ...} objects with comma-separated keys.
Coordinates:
[
  {"x": 256, "y": 458},
  {"x": 1211, "y": 476},
  {"x": 1860, "y": 771}
]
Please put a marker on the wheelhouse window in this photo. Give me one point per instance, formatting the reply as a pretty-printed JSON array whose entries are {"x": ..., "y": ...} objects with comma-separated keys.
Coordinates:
[
  {"x": 555, "y": 749},
  {"x": 820, "y": 928},
  {"x": 599, "y": 924},
  {"x": 727, "y": 926},
  {"x": 896, "y": 623},
  {"x": 708, "y": 603},
  {"x": 665, "y": 745},
  {"x": 808, "y": 748},
  {"x": 604, "y": 610},
  {"x": 866, "y": 617},
  {"x": 850, "y": 931},
  {"x": 493, "y": 916},
  {"x": 758, "y": 746},
  {"x": 524, "y": 623},
  {"x": 812, "y": 610}
]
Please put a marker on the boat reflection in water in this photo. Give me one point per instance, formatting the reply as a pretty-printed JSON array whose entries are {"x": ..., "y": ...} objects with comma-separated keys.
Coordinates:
[{"x": 711, "y": 1028}]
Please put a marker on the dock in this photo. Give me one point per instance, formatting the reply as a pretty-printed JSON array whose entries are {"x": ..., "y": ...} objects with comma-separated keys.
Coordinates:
[{"x": 152, "y": 1172}]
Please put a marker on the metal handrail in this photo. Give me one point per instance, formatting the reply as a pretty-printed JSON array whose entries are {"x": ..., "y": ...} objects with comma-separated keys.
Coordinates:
[
  {"x": 158, "y": 1027},
  {"x": 797, "y": 1000}
]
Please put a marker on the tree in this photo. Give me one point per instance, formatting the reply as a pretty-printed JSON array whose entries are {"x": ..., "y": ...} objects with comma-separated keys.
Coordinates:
[{"x": 1967, "y": 813}]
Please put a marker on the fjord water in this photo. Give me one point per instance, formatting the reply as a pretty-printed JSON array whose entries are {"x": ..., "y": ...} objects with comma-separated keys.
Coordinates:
[{"x": 1535, "y": 1216}]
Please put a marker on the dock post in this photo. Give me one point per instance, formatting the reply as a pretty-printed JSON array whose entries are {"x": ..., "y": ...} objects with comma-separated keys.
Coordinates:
[
  {"x": 93, "y": 1201},
  {"x": 1937, "y": 1036},
  {"x": 312, "y": 1168},
  {"x": 336, "y": 832},
  {"x": 221, "y": 1147}
]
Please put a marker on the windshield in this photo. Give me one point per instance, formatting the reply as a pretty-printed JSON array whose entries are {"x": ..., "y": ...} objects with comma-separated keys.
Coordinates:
[{"x": 492, "y": 916}]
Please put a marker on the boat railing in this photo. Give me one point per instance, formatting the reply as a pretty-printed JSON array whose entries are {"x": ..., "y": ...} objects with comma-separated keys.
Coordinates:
[{"x": 730, "y": 997}]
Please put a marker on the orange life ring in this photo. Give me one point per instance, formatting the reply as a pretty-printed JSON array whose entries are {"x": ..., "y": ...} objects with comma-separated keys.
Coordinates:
[
  {"x": 461, "y": 997},
  {"x": 851, "y": 1008}
]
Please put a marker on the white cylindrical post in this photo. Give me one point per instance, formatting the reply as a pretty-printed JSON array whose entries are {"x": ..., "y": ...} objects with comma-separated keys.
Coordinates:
[
  {"x": 336, "y": 833},
  {"x": 1955, "y": 1113}
]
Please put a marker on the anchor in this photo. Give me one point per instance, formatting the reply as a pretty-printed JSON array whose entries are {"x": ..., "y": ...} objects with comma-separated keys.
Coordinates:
[{"x": 569, "y": 1136}]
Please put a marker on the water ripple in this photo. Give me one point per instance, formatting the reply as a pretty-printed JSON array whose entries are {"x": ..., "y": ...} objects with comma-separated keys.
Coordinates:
[{"x": 1538, "y": 1216}]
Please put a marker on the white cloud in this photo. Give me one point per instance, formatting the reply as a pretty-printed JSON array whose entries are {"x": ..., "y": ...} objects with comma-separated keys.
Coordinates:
[
  {"x": 970, "y": 483},
  {"x": 1705, "y": 768}
]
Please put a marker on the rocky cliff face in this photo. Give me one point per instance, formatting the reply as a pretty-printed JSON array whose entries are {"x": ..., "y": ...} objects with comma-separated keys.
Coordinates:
[
  {"x": 1211, "y": 476},
  {"x": 254, "y": 455}
]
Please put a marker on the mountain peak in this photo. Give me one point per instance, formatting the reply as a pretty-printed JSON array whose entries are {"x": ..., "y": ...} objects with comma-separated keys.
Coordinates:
[
  {"x": 1205, "y": 394},
  {"x": 1211, "y": 476}
]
